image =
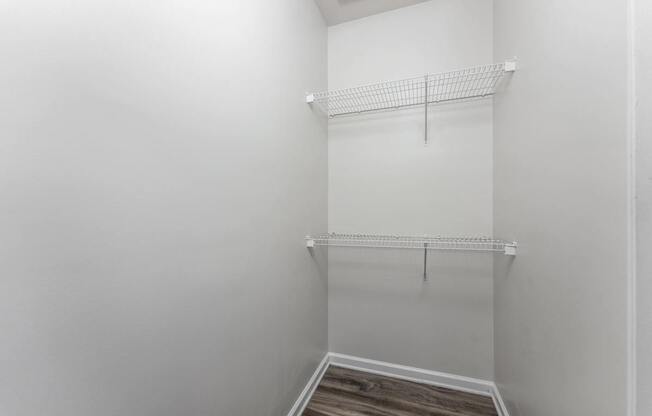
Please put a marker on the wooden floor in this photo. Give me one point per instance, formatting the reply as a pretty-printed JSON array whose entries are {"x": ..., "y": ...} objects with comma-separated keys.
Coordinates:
[{"x": 344, "y": 392}]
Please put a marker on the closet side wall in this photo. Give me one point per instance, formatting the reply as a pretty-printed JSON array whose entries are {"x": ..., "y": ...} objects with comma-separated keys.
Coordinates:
[
  {"x": 560, "y": 185},
  {"x": 382, "y": 179},
  {"x": 159, "y": 171},
  {"x": 644, "y": 203}
]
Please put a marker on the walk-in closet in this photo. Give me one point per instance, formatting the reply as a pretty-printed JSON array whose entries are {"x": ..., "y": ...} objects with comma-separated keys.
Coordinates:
[{"x": 325, "y": 208}]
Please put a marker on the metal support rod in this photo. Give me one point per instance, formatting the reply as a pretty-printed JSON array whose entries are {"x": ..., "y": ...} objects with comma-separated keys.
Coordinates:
[
  {"x": 426, "y": 111},
  {"x": 425, "y": 262}
]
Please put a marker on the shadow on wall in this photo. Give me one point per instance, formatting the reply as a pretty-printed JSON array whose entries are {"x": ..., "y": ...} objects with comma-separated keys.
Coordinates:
[
  {"x": 396, "y": 276},
  {"x": 320, "y": 259}
]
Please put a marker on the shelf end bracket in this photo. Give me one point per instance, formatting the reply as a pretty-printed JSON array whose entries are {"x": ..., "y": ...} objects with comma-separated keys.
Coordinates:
[
  {"x": 310, "y": 98},
  {"x": 510, "y": 65},
  {"x": 510, "y": 249}
]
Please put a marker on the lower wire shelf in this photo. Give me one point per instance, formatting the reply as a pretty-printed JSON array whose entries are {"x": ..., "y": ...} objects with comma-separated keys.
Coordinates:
[
  {"x": 425, "y": 243},
  {"x": 485, "y": 244}
]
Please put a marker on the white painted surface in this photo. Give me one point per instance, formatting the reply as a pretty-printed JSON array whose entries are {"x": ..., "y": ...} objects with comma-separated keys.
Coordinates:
[
  {"x": 339, "y": 11},
  {"x": 644, "y": 205},
  {"x": 153, "y": 207},
  {"x": 560, "y": 189},
  {"x": 382, "y": 179}
]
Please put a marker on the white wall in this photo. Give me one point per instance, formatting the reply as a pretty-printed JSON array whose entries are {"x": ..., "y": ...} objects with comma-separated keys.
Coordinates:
[
  {"x": 382, "y": 179},
  {"x": 560, "y": 186},
  {"x": 644, "y": 203},
  {"x": 159, "y": 170}
]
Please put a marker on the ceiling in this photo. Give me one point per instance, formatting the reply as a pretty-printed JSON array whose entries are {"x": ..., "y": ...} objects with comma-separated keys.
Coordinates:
[{"x": 338, "y": 11}]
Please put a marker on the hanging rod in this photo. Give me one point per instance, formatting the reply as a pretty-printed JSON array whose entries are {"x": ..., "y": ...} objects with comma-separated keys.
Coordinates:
[
  {"x": 485, "y": 244},
  {"x": 475, "y": 82}
]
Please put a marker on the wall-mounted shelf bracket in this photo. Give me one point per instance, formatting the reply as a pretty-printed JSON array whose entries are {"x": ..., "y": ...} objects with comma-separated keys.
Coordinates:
[
  {"x": 510, "y": 248},
  {"x": 310, "y": 98},
  {"x": 511, "y": 65}
]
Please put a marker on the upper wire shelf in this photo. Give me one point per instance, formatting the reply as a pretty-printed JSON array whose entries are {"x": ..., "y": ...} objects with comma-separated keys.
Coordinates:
[
  {"x": 475, "y": 82},
  {"x": 485, "y": 244}
]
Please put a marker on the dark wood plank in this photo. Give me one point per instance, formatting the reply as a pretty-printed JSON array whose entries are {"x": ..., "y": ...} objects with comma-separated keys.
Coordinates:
[{"x": 344, "y": 392}]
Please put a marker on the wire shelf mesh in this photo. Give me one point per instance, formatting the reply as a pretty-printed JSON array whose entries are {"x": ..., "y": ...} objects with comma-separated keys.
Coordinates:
[
  {"x": 475, "y": 82},
  {"x": 486, "y": 244}
]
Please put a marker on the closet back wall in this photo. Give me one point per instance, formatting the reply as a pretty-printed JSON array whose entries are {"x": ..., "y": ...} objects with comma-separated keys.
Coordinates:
[
  {"x": 158, "y": 172},
  {"x": 382, "y": 179}
]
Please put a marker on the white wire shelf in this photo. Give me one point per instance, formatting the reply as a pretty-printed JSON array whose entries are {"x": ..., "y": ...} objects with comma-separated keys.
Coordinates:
[
  {"x": 476, "y": 82},
  {"x": 484, "y": 244}
]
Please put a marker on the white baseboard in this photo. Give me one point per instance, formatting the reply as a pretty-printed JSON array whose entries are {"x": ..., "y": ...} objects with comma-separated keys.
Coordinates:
[
  {"x": 498, "y": 401},
  {"x": 419, "y": 375},
  {"x": 303, "y": 399}
]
